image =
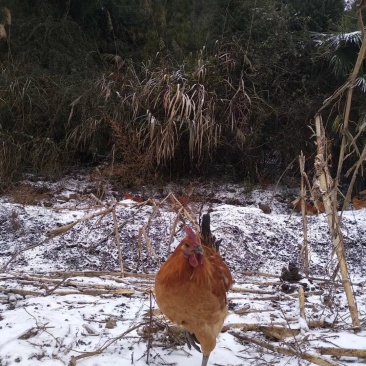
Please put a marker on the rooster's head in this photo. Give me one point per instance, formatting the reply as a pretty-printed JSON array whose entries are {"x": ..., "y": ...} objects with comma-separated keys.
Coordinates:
[{"x": 191, "y": 247}]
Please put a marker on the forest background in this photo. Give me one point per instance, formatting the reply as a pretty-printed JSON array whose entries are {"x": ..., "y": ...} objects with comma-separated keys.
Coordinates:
[{"x": 160, "y": 89}]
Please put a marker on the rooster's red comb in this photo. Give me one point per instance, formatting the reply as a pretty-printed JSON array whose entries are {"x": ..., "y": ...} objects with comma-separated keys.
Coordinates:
[{"x": 191, "y": 235}]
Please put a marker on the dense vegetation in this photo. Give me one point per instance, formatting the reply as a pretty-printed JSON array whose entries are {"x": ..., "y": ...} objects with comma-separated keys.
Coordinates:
[{"x": 170, "y": 87}]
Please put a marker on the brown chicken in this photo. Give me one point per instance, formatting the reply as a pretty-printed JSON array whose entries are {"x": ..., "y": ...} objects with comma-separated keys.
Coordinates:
[{"x": 191, "y": 289}]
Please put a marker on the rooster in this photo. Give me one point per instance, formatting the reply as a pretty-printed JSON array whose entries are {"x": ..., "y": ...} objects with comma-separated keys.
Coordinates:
[{"x": 191, "y": 289}]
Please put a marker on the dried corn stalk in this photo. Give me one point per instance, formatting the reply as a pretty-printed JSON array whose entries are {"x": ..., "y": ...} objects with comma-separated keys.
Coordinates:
[{"x": 325, "y": 187}]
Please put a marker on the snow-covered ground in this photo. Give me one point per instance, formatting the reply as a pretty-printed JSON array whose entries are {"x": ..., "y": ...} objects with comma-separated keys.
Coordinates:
[{"x": 63, "y": 300}]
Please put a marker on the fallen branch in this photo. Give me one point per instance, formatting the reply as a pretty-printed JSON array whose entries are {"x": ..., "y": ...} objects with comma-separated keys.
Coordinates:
[
  {"x": 63, "y": 229},
  {"x": 5, "y": 266},
  {"x": 270, "y": 275},
  {"x": 263, "y": 274},
  {"x": 21, "y": 292},
  {"x": 279, "y": 333},
  {"x": 286, "y": 351},
  {"x": 55, "y": 232},
  {"x": 108, "y": 343},
  {"x": 248, "y": 311},
  {"x": 251, "y": 291},
  {"x": 99, "y": 274},
  {"x": 257, "y": 327},
  {"x": 80, "y": 291},
  {"x": 282, "y": 296},
  {"x": 258, "y": 283},
  {"x": 96, "y": 292},
  {"x": 348, "y": 352}
]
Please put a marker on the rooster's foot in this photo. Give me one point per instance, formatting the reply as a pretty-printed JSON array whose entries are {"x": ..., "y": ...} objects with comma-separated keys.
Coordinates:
[{"x": 191, "y": 341}]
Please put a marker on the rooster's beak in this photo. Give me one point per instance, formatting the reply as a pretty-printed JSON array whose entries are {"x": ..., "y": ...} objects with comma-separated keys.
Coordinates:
[{"x": 198, "y": 249}]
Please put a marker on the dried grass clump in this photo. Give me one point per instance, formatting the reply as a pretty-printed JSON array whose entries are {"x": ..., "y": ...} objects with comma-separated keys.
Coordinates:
[
  {"x": 177, "y": 110},
  {"x": 20, "y": 147},
  {"x": 25, "y": 194},
  {"x": 6, "y": 17},
  {"x": 114, "y": 59},
  {"x": 46, "y": 157},
  {"x": 134, "y": 165},
  {"x": 3, "y": 34},
  {"x": 85, "y": 133},
  {"x": 5, "y": 22},
  {"x": 10, "y": 157},
  {"x": 164, "y": 115}
]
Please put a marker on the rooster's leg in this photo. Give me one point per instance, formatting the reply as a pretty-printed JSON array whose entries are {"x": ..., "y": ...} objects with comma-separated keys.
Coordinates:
[
  {"x": 192, "y": 341},
  {"x": 205, "y": 360}
]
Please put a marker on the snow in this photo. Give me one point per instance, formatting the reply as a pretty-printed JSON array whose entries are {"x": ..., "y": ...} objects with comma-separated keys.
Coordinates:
[{"x": 65, "y": 296}]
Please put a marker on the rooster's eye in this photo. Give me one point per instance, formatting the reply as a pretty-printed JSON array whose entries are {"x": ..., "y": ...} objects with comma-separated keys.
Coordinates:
[{"x": 186, "y": 245}]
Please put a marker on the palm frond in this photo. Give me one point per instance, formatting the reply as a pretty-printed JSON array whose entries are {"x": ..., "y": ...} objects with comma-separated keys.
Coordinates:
[
  {"x": 361, "y": 82},
  {"x": 341, "y": 49},
  {"x": 336, "y": 40}
]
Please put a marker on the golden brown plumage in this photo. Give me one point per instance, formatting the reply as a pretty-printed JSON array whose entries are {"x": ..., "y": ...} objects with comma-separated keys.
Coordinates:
[{"x": 191, "y": 289}]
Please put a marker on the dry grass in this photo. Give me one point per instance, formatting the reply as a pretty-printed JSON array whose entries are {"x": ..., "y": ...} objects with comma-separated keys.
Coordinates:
[
  {"x": 182, "y": 112},
  {"x": 164, "y": 114},
  {"x": 173, "y": 120},
  {"x": 85, "y": 133},
  {"x": 6, "y": 16},
  {"x": 25, "y": 194},
  {"x": 10, "y": 153},
  {"x": 178, "y": 109},
  {"x": 14, "y": 222},
  {"x": 134, "y": 165},
  {"x": 28, "y": 138},
  {"x": 3, "y": 34},
  {"x": 114, "y": 59},
  {"x": 46, "y": 156}
]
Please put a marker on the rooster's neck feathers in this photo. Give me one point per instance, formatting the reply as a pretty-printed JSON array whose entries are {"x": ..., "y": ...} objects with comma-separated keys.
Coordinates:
[
  {"x": 211, "y": 274},
  {"x": 178, "y": 269}
]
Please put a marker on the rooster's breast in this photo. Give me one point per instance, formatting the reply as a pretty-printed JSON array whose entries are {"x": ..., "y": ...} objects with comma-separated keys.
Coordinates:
[{"x": 190, "y": 306}]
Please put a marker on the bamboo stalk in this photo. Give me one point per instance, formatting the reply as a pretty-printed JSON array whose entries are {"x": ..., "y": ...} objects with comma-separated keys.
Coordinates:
[
  {"x": 302, "y": 303},
  {"x": 118, "y": 241},
  {"x": 149, "y": 246},
  {"x": 324, "y": 185},
  {"x": 139, "y": 247},
  {"x": 304, "y": 249}
]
